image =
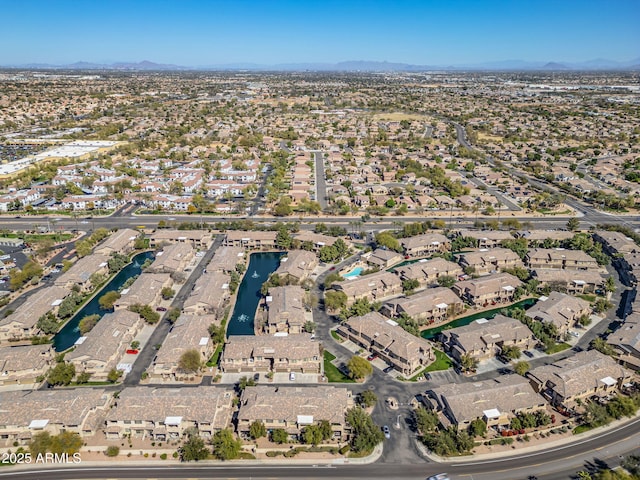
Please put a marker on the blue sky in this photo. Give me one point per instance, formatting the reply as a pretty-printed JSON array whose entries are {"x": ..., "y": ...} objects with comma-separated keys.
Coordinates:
[{"x": 200, "y": 32}]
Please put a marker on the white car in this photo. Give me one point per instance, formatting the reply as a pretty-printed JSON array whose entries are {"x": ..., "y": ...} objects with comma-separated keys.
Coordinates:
[
  {"x": 292, "y": 376},
  {"x": 439, "y": 476}
]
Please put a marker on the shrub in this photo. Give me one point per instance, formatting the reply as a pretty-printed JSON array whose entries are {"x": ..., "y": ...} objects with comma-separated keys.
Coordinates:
[
  {"x": 163, "y": 456},
  {"x": 112, "y": 451}
]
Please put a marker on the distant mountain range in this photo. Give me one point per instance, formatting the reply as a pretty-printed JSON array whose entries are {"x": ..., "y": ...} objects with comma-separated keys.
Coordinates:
[{"x": 350, "y": 66}]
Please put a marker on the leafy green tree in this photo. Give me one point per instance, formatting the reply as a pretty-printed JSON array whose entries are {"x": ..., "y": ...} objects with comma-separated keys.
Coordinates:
[
  {"x": 283, "y": 238},
  {"x": 278, "y": 435},
  {"x": 193, "y": 449},
  {"x": 167, "y": 293},
  {"x": 190, "y": 361},
  {"x": 311, "y": 435},
  {"x": 245, "y": 382},
  {"x": 216, "y": 332},
  {"x": 116, "y": 262},
  {"x": 365, "y": 433},
  {"x": 386, "y": 239},
  {"x": 61, "y": 374},
  {"x": 521, "y": 367},
  {"x": 602, "y": 346},
  {"x": 48, "y": 323},
  {"x": 69, "y": 304},
  {"x": 610, "y": 285},
  {"x": 87, "y": 323},
  {"x": 146, "y": 312},
  {"x": 40, "y": 443},
  {"x": 446, "y": 281},
  {"x": 335, "y": 300},
  {"x": 83, "y": 378},
  {"x": 426, "y": 420},
  {"x": 468, "y": 363},
  {"x": 477, "y": 427},
  {"x": 257, "y": 430},
  {"x": 225, "y": 445},
  {"x": 359, "y": 368},
  {"x": 173, "y": 314},
  {"x": 368, "y": 398},
  {"x": 573, "y": 224},
  {"x": 410, "y": 285},
  {"x": 601, "y": 305},
  {"x": 511, "y": 352},
  {"x": 107, "y": 300},
  {"x": 517, "y": 245},
  {"x": 66, "y": 442},
  {"x": 114, "y": 375}
]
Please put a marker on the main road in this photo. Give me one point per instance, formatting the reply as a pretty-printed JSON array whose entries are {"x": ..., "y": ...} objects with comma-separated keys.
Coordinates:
[{"x": 559, "y": 463}]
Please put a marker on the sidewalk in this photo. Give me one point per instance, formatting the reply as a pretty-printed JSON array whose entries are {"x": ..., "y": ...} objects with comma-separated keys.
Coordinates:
[
  {"x": 155, "y": 462},
  {"x": 510, "y": 452}
]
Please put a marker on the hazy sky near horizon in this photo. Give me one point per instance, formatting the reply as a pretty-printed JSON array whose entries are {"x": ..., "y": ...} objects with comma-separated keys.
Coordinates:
[{"x": 211, "y": 32}]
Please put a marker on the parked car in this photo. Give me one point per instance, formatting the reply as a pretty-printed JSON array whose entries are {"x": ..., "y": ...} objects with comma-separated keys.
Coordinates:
[
  {"x": 528, "y": 353},
  {"x": 387, "y": 432},
  {"x": 439, "y": 476},
  {"x": 372, "y": 357},
  {"x": 388, "y": 369},
  {"x": 161, "y": 309},
  {"x": 292, "y": 376}
]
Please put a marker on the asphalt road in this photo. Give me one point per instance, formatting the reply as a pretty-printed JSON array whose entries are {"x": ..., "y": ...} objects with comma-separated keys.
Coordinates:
[
  {"x": 146, "y": 356},
  {"x": 321, "y": 184}
]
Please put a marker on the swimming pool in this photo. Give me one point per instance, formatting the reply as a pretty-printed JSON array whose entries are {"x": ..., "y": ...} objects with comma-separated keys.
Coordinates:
[{"x": 353, "y": 273}]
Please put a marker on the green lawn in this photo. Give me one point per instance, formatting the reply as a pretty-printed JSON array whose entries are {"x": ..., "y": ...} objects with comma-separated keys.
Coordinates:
[
  {"x": 442, "y": 363},
  {"x": 558, "y": 347},
  {"x": 213, "y": 361},
  {"x": 336, "y": 336},
  {"x": 331, "y": 371},
  {"x": 581, "y": 429},
  {"x": 588, "y": 298}
]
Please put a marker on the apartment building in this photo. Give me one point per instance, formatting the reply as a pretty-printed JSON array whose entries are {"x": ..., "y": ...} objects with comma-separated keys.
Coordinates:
[
  {"x": 251, "y": 240},
  {"x": 284, "y": 310},
  {"x": 561, "y": 310},
  {"x": 294, "y": 408},
  {"x": 298, "y": 265},
  {"x": 433, "y": 305},
  {"x": 226, "y": 259},
  {"x": 385, "y": 338},
  {"x": 121, "y": 242},
  {"x": 574, "y": 282},
  {"x": 383, "y": 258},
  {"x": 374, "y": 287},
  {"x": 559, "y": 258},
  {"x": 190, "y": 332},
  {"x": 427, "y": 272},
  {"x": 146, "y": 290},
  {"x": 210, "y": 294},
  {"x": 487, "y": 261},
  {"x": 486, "y": 238},
  {"x": 25, "y": 413},
  {"x": 80, "y": 272},
  {"x": 164, "y": 414},
  {"x": 24, "y": 364},
  {"x": 293, "y": 353},
  {"x": 199, "y": 239},
  {"x": 23, "y": 322},
  {"x": 489, "y": 290},
  {"x": 483, "y": 339},
  {"x": 175, "y": 257},
  {"x": 102, "y": 348},
  {"x": 585, "y": 374},
  {"x": 494, "y": 401},
  {"x": 426, "y": 244}
]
